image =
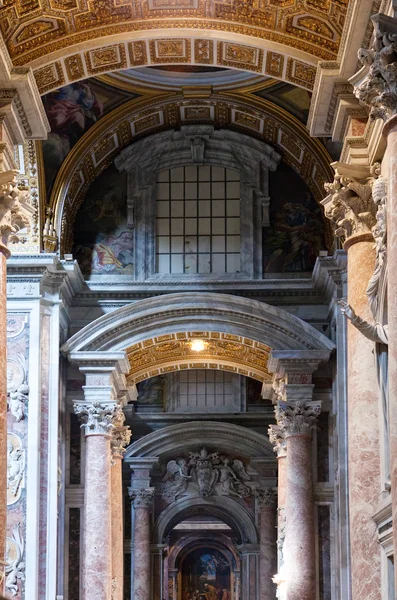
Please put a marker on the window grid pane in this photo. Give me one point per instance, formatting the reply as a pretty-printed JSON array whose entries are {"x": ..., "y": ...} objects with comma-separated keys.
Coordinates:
[{"x": 198, "y": 228}]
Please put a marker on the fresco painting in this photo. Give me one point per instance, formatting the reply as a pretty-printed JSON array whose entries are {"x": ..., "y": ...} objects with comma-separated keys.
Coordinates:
[
  {"x": 206, "y": 576},
  {"x": 71, "y": 111},
  {"x": 296, "y": 232},
  {"x": 103, "y": 243}
]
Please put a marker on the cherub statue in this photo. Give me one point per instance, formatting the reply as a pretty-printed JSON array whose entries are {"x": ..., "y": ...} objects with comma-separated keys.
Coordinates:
[
  {"x": 15, "y": 467},
  {"x": 373, "y": 331},
  {"x": 17, "y": 402}
]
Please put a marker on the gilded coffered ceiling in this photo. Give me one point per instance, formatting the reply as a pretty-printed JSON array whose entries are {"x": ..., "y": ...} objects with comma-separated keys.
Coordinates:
[
  {"x": 67, "y": 40},
  {"x": 173, "y": 352}
]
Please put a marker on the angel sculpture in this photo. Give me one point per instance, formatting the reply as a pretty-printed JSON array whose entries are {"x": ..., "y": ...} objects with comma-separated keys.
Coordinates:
[
  {"x": 17, "y": 402},
  {"x": 176, "y": 478},
  {"x": 231, "y": 476}
]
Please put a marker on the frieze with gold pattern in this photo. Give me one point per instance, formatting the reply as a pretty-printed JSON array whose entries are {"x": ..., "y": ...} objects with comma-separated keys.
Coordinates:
[{"x": 33, "y": 29}]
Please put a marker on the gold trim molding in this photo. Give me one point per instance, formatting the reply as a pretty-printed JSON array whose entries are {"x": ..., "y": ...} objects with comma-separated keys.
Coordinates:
[{"x": 173, "y": 352}]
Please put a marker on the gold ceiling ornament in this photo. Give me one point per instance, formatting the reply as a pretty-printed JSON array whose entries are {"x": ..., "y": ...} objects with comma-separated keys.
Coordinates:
[
  {"x": 34, "y": 29},
  {"x": 176, "y": 51},
  {"x": 247, "y": 113},
  {"x": 175, "y": 352}
]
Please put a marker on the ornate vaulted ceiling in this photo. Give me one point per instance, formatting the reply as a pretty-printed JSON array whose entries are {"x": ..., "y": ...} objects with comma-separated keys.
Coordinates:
[
  {"x": 67, "y": 40},
  {"x": 173, "y": 352}
]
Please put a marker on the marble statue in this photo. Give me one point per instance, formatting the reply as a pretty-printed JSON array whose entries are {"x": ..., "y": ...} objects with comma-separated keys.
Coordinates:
[
  {"x": 15, "y": 468},
  {"x": 373, "y": 331},
  {"x": 176, "y": 477},
  {"x": 17, "y": 402}
]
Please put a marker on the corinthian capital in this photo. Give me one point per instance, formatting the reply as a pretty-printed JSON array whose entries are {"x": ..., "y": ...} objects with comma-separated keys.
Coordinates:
[
  {"x": 349, "y": 202},
  {"x": 12, "y": 217},
  {"x": 277, "y": 438},
  {"x": 98, "y": 418},
  {"x": 266, "y": 498},
  {"x": 298, "y": 418},
  {"x": 142, "y": 498},
  {"x": 378, "y": 90},
  {"x": 120, "y": 439}
]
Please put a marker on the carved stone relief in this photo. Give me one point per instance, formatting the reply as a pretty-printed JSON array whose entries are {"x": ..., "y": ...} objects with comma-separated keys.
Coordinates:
[
  {"x": 16, "y": 463},
  {"x": 15, "y": 565},
  {"x": 379, "y": 88},
  {"x": 298, "y": 418},
  {"x": 208, "y": 474}
]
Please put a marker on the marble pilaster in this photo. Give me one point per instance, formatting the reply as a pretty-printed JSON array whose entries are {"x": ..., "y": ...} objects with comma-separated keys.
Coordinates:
[
  {"x": 299, "y": 570},
  {"x": 268, "y": 544},
  {"x": 120, "y": 439},
  {"x": 142, "y": 501},
  {"x": 353, "y": 188},
  {"x": 277, "y": 438},
  {"x": 3, "y": 403},
  {"x": 250, "y": 568}
]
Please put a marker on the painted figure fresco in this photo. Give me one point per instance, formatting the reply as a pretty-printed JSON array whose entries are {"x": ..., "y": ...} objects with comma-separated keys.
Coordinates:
[
  {"x": 206, "y": 576},
  {"x": 71, "y": 111},
  {"x": 296, "y": 232},
  {"x": 102, "y": 241}
]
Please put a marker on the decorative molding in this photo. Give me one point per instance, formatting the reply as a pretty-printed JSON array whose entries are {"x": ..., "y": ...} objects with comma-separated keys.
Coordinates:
[
  {"x": 14, "y": 209},
  {"x": 15, "y": 563},
  {"x": 120, "y": 439},
  {"x": 298, "y": 418},
  {"x": 266, "y": 498}
]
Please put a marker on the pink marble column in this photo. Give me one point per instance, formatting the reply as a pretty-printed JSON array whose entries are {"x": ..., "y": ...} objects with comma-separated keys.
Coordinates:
[
  {"x": 268, "y": 545},
  {"x": 97, "y": 419},
  {"x": 120, "y": 439},
  {"x": 4, "y": 253},
  {"x": 142, "y": 501},
  {"x": 297, "y": 420},
  {"x": 363, "y": 428},
  {"x": 390, "y": 131}
]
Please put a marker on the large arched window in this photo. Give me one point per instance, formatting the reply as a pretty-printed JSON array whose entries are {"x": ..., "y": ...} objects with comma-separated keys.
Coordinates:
[{"x": 198, "y": 220}]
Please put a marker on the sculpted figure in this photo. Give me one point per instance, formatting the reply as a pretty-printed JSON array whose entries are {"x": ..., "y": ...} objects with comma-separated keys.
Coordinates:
[
  {"x": 373, "y": 331},
  {"x": 176, "y": 478},
  {"x": 15, "y": 467},
  {"x": 17, "y": 402},
  {"x": 231, "y": 486}
]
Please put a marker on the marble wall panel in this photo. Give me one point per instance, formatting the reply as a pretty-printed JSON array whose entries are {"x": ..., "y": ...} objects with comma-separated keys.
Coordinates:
[
  {"x": 17, "y": 442},
  {"x": 324, "y": 543},
  {"x": 74, "y": 553}
]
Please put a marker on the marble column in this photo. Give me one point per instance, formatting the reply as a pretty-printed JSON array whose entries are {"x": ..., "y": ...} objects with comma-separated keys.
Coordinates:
[
  {"x": 120, "y": 439},
  {"x": 390, "y": 131},
  {"x": 351, "y": 208},
  {"x": 268, "y": 544},
  {"x": 297, "y": 420},
  {"x": 97, "y": 421},
  {"x": 142, "y": 501}
]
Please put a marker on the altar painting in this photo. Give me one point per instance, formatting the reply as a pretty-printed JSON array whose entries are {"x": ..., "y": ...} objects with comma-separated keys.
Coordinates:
[{"x": 206, "y": 576}]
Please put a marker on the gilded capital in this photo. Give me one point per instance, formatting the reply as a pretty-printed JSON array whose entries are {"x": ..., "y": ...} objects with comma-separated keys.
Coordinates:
[
  {"x": 298, "y": 418},
  {"x": 142, "y": 498},
  {"x": 12, "y": 215},
  {"x": 98, "y": 418},
  {"x": 378, "y": 90},
  {"x": 349, "y": 203}
]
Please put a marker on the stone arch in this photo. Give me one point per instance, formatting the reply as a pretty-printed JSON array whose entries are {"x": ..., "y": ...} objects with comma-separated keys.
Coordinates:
[
  {"x": 228, "y": 510},
  {"x": 113, "y": 333},
  {"x": 253, "y": 117},
  {"x": 188, "y": 542}
]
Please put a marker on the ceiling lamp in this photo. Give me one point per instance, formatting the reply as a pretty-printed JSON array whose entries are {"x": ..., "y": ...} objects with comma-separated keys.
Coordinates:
[{"x": 197, "y": 345}]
